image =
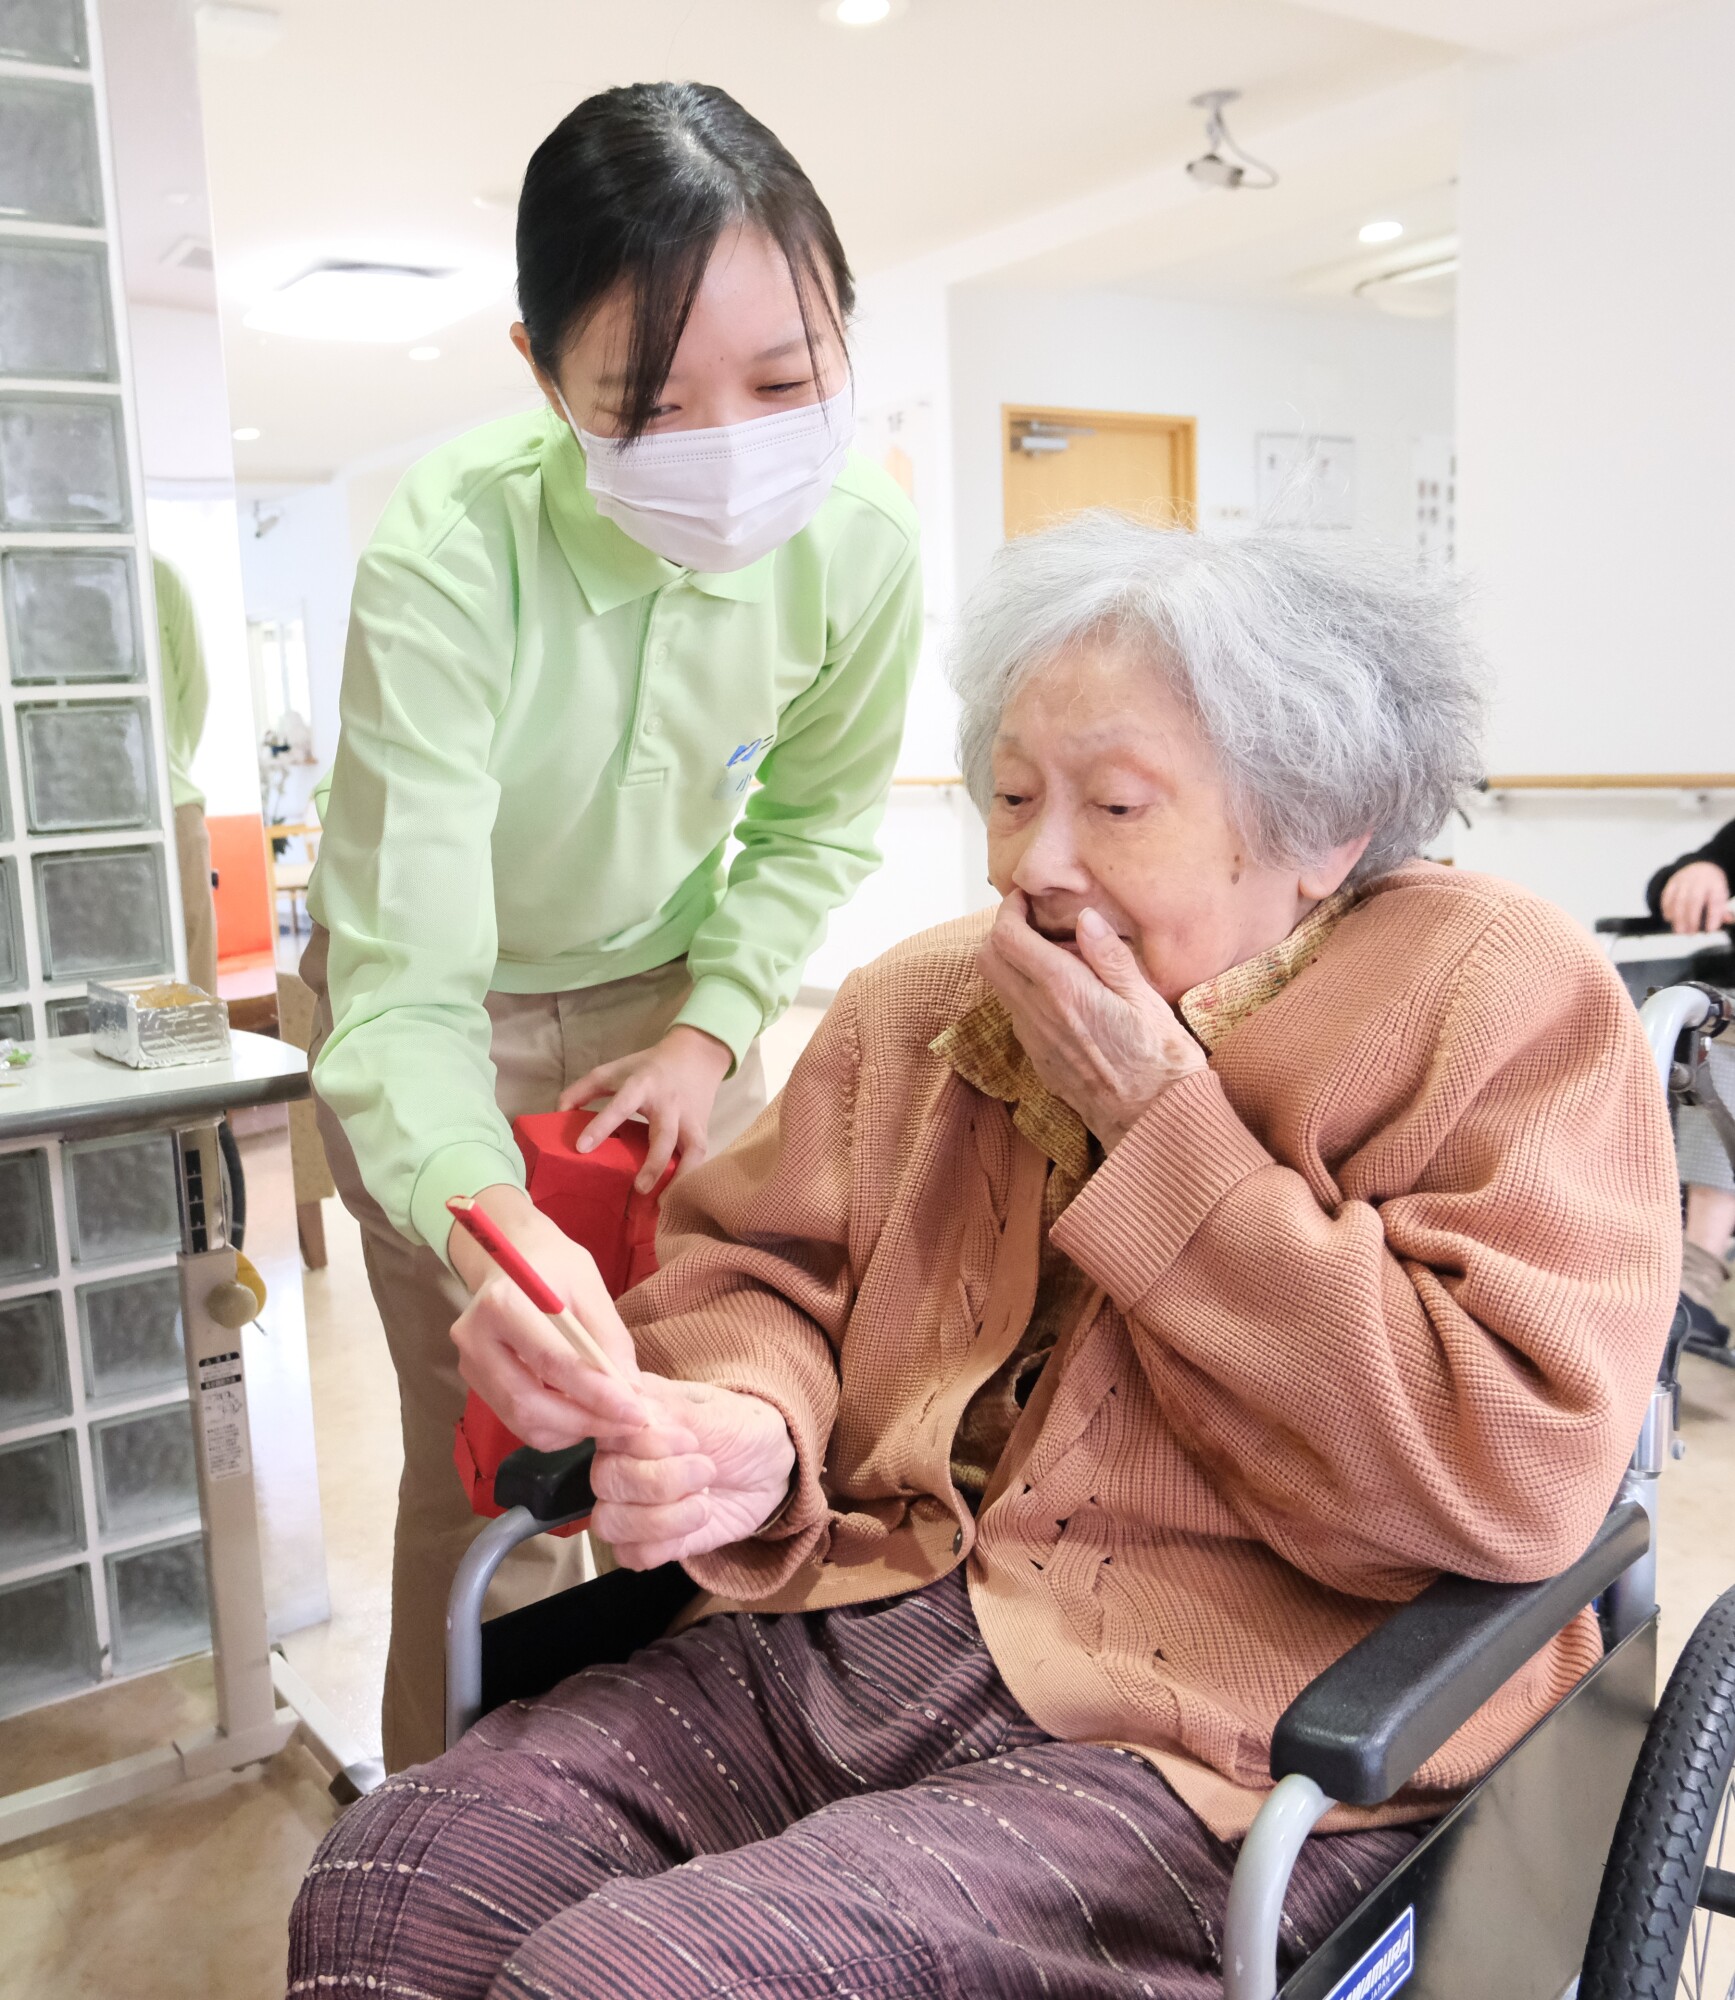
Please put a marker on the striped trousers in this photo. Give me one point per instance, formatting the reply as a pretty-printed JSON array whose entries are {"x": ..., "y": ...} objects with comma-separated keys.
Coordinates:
[{"x": 841, "y": 1803}]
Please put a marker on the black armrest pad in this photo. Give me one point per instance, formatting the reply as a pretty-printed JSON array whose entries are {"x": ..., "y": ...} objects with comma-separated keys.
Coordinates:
[
  {"x": 1363, "y": 1727},
  {"x": 1630, "y": 926},
  {"x": 554, "y": 1485}
]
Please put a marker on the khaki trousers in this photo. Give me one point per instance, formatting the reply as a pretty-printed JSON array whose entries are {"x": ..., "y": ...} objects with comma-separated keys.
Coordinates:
[
  {"x": 542, "y": 1042},
  {"x": 193, "y": 852}
]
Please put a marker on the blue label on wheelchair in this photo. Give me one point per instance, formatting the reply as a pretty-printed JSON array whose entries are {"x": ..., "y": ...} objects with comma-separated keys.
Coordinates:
[{"x": 1384, "y": 1966}]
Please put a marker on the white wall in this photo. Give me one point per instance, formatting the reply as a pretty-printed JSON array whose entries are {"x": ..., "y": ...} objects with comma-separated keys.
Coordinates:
[
  {"x": 1238, "y": 370},
  {"x": 183, "y": 411},
  {"x": 296, "y": 563},
  {"x": 1596, "y": 435}
]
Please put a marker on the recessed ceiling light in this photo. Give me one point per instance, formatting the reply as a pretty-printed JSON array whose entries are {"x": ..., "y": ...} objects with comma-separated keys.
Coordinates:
[
  {"x": 387, "y": 303},
  {"x": 227, "y": 29},
  {"x": 1380, "y": 232},
  {"x": 424, "y": 354},
  {"x": 246, "y": 434},
  {"x": 860, "y": 13}
]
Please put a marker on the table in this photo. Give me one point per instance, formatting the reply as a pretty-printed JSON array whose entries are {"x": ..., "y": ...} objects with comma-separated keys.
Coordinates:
[{"x": 70, "y": 1092}]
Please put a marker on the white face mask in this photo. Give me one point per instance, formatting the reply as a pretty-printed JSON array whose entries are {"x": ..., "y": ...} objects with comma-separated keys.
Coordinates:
[{"x": 720, "y": 499}]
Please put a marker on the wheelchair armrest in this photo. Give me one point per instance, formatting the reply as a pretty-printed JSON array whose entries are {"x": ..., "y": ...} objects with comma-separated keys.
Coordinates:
[
  {"x": 1361, "y": 1729},
  {"x": 551, "y": 1485},
  {"x": 1630, "y": 926}
]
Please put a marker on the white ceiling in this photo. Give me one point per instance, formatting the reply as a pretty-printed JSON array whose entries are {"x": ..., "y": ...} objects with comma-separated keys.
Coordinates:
[
  {"x": 1494, "y": 27},
  {"x": 377, "y": 130}
]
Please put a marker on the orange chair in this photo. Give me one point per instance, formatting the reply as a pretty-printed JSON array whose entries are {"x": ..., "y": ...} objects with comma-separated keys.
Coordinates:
[{"x": 246, "y": 920}]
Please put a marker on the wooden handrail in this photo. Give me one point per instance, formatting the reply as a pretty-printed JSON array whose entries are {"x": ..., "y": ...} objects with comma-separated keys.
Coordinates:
[
  {"x": 1540, "y": 781},
  {"x": 1611, "y": 781}
]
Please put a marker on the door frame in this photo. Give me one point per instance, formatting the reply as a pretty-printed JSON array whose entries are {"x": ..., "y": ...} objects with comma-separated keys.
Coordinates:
[{"x": 1183, "y": 433}]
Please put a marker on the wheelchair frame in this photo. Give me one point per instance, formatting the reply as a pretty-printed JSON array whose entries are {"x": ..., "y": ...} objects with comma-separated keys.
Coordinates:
[{"x": 1501, "y": 1905}]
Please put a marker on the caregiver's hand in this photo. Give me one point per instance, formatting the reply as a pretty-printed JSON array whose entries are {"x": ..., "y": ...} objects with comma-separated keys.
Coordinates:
[
  {"x": 1696, "y": 898},
  {"x": 710, "y": 1468},
  {"x": 1098, "y": 1032},
  {"x": 671, "y": 1086},
  {"x": 520, "y": 1365}
]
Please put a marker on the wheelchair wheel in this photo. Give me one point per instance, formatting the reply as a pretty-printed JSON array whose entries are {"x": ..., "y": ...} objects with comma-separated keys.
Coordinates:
[{"x": 1665, "y": 1919}]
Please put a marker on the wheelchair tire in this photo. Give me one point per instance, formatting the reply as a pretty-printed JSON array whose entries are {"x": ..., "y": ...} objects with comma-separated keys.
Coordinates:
[{"x": 1650, "y": 1935}]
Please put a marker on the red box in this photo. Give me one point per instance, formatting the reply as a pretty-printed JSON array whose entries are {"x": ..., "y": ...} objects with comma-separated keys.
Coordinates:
[{"x": 591, "y": 1197}]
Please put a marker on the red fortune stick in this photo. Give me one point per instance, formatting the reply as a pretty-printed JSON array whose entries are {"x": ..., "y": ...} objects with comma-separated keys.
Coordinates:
[{"x": 487, "y": 1232}]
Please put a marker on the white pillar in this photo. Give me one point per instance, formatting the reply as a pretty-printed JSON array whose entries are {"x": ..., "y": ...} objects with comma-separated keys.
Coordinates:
[{"x": 1596, "y": 437}]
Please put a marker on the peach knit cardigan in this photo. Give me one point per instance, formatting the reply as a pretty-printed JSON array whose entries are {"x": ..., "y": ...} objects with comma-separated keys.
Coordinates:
[{"x": 1380, "y": 1293}]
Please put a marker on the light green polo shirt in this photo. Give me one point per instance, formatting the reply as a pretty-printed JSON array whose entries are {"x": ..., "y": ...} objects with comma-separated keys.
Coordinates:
[
  {"x": 548, "y": 736},
  {"x": 186, "y": 686}
]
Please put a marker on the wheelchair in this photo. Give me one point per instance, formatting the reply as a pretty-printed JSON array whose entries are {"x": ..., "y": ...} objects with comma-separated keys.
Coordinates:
[
  {"x": 1705, "y": 960},
  {"x": 1596, "y": 1859}
]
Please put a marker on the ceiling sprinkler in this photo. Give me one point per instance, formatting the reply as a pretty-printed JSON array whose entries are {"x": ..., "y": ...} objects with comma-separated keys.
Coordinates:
[{"x": 1212, "y": 167}]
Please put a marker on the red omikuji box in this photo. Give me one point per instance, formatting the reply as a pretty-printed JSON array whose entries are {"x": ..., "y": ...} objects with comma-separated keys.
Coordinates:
[{"x": 591, "y": 1198}]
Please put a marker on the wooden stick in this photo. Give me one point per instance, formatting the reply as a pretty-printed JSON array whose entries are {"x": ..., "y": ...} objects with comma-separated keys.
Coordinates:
[{"x": 477, "y": 1223}]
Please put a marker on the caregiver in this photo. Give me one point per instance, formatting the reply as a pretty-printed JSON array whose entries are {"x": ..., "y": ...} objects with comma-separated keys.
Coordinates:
[{"x": 586, "y": 647}]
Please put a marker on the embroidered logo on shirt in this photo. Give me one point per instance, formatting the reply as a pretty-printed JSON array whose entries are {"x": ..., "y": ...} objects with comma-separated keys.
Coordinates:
[{"x": 738, "y": 773}]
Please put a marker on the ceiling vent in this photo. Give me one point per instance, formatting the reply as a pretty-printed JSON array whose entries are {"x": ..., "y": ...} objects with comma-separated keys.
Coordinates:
[{"x": 189, "y": 253}]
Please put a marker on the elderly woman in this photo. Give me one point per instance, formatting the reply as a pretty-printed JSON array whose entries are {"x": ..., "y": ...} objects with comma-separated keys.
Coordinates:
[{"x": 1132, "y": 1295}]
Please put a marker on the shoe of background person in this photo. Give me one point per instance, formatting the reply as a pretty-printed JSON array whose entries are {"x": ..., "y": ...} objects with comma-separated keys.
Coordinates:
[{"x": 1703, "y": 1281}]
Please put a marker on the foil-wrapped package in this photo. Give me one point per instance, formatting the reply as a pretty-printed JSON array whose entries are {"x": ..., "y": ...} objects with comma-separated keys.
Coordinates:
[{"x": 156, "y": 1023}]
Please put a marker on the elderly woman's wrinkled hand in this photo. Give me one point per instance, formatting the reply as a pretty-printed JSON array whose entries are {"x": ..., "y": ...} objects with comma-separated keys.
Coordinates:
[
  {"x": 710, "y": 1468},
  {"x": 1098, "y": 1032}
]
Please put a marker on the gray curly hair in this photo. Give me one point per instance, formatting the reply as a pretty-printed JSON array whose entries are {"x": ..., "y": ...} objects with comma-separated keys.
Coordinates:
[{"x": 1338, "y": 686}]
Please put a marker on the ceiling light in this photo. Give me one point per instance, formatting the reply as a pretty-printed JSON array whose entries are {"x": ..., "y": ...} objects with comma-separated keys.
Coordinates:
[
  {"x": 246, "y": 434},
  {"x": 1380, "y": 232},
  {"x": 424, "y": 354},
  {"x": 388, "y": 303},
  {"x": 226, "y": 29},
  {"x": 1225, "y": 164},
  {"x": 860, "y": 13}
]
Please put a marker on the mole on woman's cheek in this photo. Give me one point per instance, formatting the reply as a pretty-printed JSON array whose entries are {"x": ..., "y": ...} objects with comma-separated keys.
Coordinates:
[{"x": 1235, "y": 871}]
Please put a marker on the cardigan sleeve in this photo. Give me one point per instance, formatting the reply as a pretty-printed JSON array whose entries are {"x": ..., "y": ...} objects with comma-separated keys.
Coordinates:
[
  {"x": 1444, "y": 1364},
  {"x": 756, "y": 1287}
]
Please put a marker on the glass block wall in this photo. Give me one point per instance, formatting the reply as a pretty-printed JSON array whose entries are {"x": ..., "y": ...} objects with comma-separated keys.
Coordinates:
[{"x": 101, "y": 1559}]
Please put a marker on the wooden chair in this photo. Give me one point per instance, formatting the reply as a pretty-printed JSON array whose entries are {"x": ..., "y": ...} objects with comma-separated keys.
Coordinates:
[{"x": 290, "y": 878}]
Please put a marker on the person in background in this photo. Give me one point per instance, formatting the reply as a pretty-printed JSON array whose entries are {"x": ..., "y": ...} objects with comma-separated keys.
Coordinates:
[
  {"x": 1692, "y": 896},
  {"x": 186, "y": 698},
  {"x": 590, "y": 646}
]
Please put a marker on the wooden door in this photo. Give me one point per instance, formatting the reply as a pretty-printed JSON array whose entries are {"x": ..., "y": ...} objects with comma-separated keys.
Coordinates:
[{"x": 1058, "y": 462}]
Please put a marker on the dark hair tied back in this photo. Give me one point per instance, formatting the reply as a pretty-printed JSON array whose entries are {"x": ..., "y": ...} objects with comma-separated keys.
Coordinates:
[{"x": 639, "y": 183}]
